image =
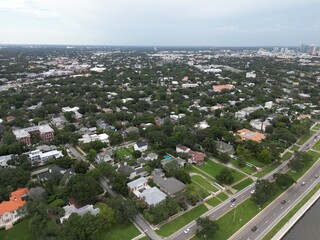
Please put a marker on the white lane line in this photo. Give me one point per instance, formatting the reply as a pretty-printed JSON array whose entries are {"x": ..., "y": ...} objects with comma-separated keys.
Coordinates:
[{"x": 274, "y": 214}]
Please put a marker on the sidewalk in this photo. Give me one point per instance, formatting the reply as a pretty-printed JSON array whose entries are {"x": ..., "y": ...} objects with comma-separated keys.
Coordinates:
[{"x": 296, "y": 217}]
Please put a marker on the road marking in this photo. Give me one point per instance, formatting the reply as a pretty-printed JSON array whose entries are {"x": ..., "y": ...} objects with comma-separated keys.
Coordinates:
[
  {"x": 274, "y": 214},
  {"x": 267, "y": 221}
]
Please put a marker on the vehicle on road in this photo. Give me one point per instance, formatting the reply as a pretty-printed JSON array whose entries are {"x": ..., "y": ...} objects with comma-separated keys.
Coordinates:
[
  {"x": 303, "y": 183},
  {"x": 252, "y": 191},
  {"x": 232, "y": 205},
  {"x": 233, "y": 200},
  {"x": 254, "y": 228},
  {"x": 283, "y": 201},
  {"x": 187, "y": 231},
  {"x": 316, "y": 176}
]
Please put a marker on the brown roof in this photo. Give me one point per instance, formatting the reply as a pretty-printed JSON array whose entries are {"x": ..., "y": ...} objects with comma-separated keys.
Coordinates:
[
  {"x": 219, "y": 88},
  {"x": 246, "y": 134}
]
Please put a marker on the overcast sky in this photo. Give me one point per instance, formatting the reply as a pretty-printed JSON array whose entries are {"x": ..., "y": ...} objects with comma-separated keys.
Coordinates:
[{"x": 161, "y": 22}]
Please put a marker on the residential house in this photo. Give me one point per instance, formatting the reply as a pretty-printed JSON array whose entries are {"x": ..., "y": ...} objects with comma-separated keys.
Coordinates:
[
  {"x": 38, "y": 158},
  {"x": 259, "y": 125},
  {"x": 141, "y": 146},
  {"x": 55, "y": 169},
  {"x": 9, "y": 209},
  {"x": 152, "y": 156},
  {"x": 246, "y": 134},
  {"x": 86, "y": 138},
  {"x": 171, "y": 185},
  {"x": 194, "y": 157},
  {"x": 104, "y": 156},
  {"x": 4, "y": 160},
  {"x": 75, "y": 110},
  {"x": 219, "y": 88},
  {"x": 226, "y": 148},
  {"x": 70, "y": 209},
  {"x": 141, "y": 189},
  {"x": 179, "y": 160}
]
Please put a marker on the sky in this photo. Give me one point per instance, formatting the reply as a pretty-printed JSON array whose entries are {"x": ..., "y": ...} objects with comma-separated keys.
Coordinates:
[{"x": 161, "y": 22}]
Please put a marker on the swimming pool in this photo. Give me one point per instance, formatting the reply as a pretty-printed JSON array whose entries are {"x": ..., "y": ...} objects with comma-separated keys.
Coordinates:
[{"x": 167, "y": 157}]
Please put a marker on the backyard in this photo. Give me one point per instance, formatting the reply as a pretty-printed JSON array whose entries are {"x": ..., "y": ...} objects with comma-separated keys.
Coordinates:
[{"x": 19, "y": 231}]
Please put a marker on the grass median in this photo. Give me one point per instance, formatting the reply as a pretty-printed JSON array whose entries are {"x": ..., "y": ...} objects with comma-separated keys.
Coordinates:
[{"x": 174, "y": 225}]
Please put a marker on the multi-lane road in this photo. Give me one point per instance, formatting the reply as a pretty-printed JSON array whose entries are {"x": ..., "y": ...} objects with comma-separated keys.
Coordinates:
[{"x": 242, "y": 195}]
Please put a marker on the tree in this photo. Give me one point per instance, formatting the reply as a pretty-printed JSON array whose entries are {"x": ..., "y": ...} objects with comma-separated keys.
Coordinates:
[
  {"x": 37, "y": 193},
  {"x": 265, "y": 156},
  {"x": 107, "y": 217},
  {"x": 124, "y": 209},
  {"x": 264, "y": 190},
  {"x": 206, "y": 228},
  {"x": 210, "y": 145},
  {"x": 194, "y": 194},
  {"x": 283, "y": 180},
  {"x": 296, "y": 163},
  {"x": 224, "y": 158},
  {"x": 182, "y": 176},
  {"x": 225, "y": 176},
  {"x": 83, "y": 188},
  {"x": 91, "y": 155},
  {"x": 81, "y": 167},
  {"x": 136, "y": 154}
]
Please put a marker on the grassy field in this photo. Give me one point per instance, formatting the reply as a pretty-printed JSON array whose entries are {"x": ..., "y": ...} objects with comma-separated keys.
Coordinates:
[
  {"x": 245, "y": 169},
  {"x": 316, "y": 127},
  {"x": 20, "y": 231},
  {"x": 124, "y": 152},
  {"x": 284, "y": 220},
  {"x": 286, "y": 156},
  {"x": 222, "y": 196},
  {"x": 176, "y": 224},
  {"x": 267, "y": 169},
  {"x": 118, "y": 231},
  {"x": 196, "y": 170},
  {"x": 214, "y": 169},
  {"x": 243, "y": 184},
  {"x": 204, "y": 183},
  {"x": 294, "y": 148},
  {"x": 214, "y": 202},
  {"x": 304, "y": 138},
  {"x": 255, "y": 162},
  {"x": 123, "y": 232},
  {"x": 316, "y": 146}
]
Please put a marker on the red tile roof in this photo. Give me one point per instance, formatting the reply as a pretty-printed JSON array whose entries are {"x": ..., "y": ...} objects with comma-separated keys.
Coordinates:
[
  {"x": 246, "y": 134},
  {"x": 14, "y": 202}
]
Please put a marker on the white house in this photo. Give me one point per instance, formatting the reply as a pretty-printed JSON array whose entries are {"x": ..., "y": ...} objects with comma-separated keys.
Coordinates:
[
  {"x": 87, "y": 138},
  {"x": 69, "y": 209},
  {"x": 141, "y": 146},
  {"x": 4, "y": 160},
  {"x": 37, "y": 157}
]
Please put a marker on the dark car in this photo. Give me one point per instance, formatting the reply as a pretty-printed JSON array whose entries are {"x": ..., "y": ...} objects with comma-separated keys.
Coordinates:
[
  {"x": 254, "y": 229},
  {"x": 233, "y": 200},
  {"x": 283, "y": 201}
]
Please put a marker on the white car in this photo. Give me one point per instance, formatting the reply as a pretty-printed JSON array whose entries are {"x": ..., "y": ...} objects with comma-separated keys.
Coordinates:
[
  {"x": 187, "y": 230},
  {"x": 253, "y": 191},
  {"x": 232, "y": 205}
]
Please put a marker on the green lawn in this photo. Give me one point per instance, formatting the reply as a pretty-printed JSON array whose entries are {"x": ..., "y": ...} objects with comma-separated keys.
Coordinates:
[
  {"x": 19, "y": 231},
  {"x": 117, "y": 231},
  {"x": 123, "y": 232},
  {"x": 315, "y": 155},
  {"x": 245, "y": 169},
  {"x": 255, "y": 162},
  {"x": 243, "y": 184},
  {"x": 196, "y": 170},
  {"x": 304, "y": 138},
  {"x": 294, "y": 148},
  {"x": 316, "y": 146},
  {"x": 222, "y": 196},
  {"x": 214, "y": 169},
  {"x": 286, "y": 156},
  {"x": 267, "y": 169},
  {"x": 171, "y": 227},
  {"x": 124, "y": 152},
  {"x": 284, "y": 220},
  {"x": 214, "y": 201},
  {"x": 204, "y": 183},
  {"x": 316, "y": 127}
]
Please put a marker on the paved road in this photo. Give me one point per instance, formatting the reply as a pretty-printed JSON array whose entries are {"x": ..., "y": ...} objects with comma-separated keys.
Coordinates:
[
  {"x": 242, "y": 195},
  {"x": 276, "y": 210},
  {"x": 75, "y": 153}
]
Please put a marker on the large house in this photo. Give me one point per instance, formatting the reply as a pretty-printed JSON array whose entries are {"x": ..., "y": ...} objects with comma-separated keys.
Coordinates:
[
  {"x": 219, "y": 88},
  {"x": 246, "y": 134},
  {"x": 171, "y": 185},
  {"x": 4, "y": 160},
  {"x": 38, "y": 157},
  {"x": 194, "y": 157},
  {"x": 87, "y": 138},
  {"x": 70, "y": 209},
  {"x": 150, "y": 195},
  {"x": 55, "y": 169},
  {"x": 141, "y": 146},
  {"x": 45, "y": 132},
  {"x": 9, "y": 209}
]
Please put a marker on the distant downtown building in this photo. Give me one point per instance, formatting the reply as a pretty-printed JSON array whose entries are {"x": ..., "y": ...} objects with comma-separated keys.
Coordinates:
[{"x": 45, "y": 132}]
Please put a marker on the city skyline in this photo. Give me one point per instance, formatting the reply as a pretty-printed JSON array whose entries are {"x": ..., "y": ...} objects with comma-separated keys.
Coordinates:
[{"x": 178, "y": 23}]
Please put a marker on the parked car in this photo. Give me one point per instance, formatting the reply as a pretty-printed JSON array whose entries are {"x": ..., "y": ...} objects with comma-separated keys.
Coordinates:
[
  {"x": 316, "y": 176},
  {"x": 253, "y": 191}
]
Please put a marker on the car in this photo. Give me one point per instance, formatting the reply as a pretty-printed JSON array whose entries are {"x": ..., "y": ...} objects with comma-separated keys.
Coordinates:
[
  {"x": 232, "y": 205},
  {"x": 187, "y": 231},
  {"x": 254, "y": 228},
  {"x": 283, "y": 201},
  {"x": 303, "y": 183},
  {"x": 316, "y": 176},
  {"x": 252, "y": 191},
  {"x": 233, "y": 200}
]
